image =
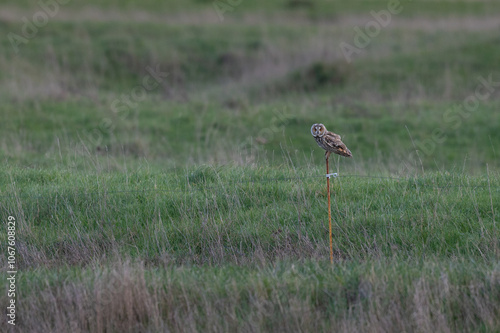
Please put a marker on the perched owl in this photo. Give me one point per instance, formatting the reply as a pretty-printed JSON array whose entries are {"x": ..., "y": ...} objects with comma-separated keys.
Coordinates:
[{"x": 329, "y": 141}]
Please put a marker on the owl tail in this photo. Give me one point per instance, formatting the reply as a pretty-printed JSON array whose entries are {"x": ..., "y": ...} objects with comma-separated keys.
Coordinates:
[{"x": 345, "y": 152}]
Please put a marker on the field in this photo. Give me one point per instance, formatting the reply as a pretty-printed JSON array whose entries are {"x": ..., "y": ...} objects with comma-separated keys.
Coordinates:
[{"x": 158, "y": 163}]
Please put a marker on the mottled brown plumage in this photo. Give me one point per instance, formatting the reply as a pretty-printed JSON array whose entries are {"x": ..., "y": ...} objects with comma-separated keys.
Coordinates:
[{"x": 329, "y": 141}]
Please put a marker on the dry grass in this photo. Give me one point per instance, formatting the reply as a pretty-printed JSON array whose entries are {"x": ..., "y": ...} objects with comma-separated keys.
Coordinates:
[{"x": 129, "y": 297}]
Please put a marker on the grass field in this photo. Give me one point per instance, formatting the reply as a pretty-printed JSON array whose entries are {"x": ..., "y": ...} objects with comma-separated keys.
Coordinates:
[{"x": 157, "y": 160}]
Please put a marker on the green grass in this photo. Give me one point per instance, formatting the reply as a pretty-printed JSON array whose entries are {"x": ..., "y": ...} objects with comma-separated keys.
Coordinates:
[
  {"x": 213, "y": 215},
  {"x": 202, "y": 205},
  {"x": 226, "y": 247}
]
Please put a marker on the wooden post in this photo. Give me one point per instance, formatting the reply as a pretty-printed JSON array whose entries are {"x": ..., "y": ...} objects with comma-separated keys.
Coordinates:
[{"x": 329, "y": 210}]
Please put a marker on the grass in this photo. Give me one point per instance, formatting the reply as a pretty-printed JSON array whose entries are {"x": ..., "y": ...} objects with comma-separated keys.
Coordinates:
[
  {"x": 213, "y": 216},
  {"x": 385, "y": 295},
  {"x": 200, "y": 205},
  {"x": 219, "y": 248}
]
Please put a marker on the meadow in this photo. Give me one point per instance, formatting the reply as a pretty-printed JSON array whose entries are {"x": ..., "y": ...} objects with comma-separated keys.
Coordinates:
[{"x": 158, "y": 162}]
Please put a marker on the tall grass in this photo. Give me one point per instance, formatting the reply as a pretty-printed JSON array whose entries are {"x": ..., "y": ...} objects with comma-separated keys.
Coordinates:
[
  {"x": 383, "y": 296},
  {"x": 236, "y": 215}
]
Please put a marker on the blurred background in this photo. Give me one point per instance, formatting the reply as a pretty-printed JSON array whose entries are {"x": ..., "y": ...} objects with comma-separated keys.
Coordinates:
[{"x": 410, "y": 85}]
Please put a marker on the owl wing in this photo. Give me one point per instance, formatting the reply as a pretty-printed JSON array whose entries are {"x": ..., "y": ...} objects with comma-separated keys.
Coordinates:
[
  {"x": 333, "y": 136},
  {"x": 333, "y": 141}
]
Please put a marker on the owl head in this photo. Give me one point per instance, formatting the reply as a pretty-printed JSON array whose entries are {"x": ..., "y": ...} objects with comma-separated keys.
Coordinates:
[{"x": 318, "y": 130}]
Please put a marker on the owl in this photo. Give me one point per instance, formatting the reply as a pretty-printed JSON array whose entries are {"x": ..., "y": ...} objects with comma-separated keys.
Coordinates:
[{"x": 329, "y": 141}]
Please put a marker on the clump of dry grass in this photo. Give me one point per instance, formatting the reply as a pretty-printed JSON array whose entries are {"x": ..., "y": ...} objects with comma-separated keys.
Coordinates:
[{"x": 348, "y": 297}]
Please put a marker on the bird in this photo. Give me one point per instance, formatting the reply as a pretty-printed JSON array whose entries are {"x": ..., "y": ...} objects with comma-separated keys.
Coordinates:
[{"x": 329, "y": 141}]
